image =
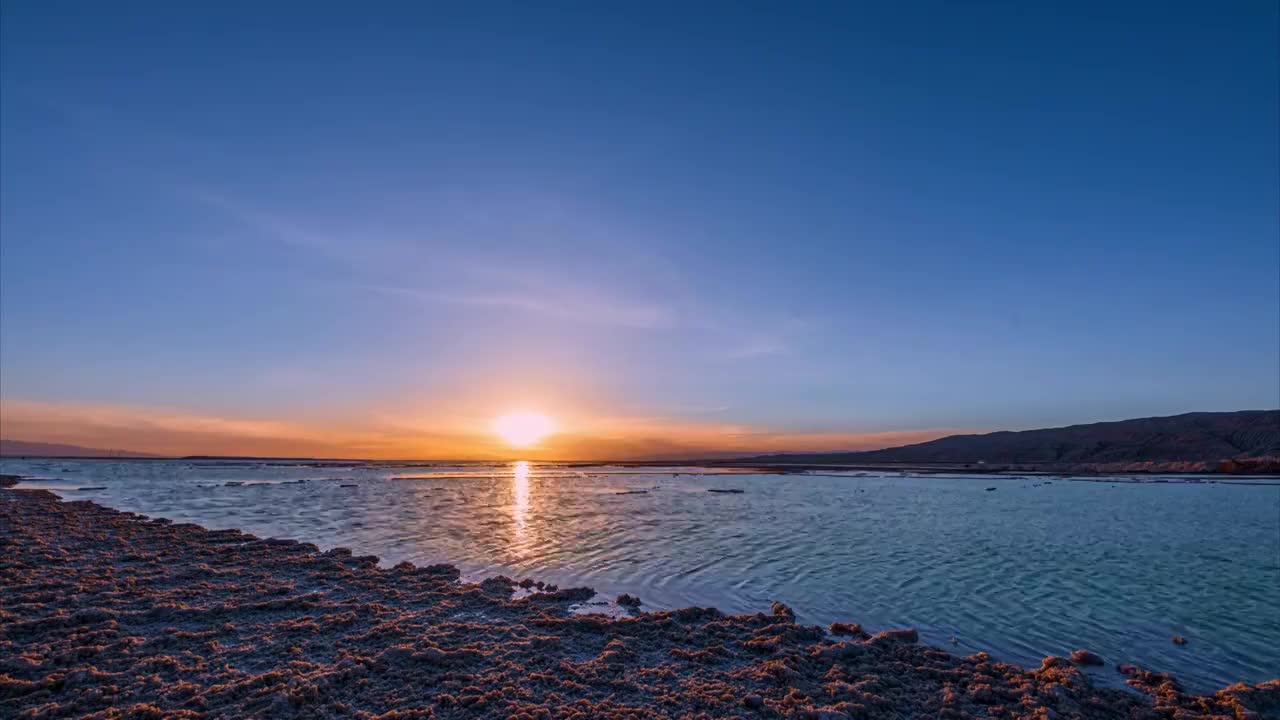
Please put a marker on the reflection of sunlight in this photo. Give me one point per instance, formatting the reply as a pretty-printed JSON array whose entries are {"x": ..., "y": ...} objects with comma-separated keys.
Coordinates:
[{"x": 520, "y": 491}]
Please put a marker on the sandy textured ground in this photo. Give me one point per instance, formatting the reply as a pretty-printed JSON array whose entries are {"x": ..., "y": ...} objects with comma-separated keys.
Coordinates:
[{"x": 109, "y": 614}]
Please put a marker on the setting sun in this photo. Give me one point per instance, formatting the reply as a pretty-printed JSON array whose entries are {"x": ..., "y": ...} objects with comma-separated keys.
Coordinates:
[{"x": 522, "y": 429}]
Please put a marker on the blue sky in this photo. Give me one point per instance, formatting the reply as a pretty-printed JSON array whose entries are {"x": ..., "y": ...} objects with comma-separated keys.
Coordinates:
[{"x": 709, "y": 226}]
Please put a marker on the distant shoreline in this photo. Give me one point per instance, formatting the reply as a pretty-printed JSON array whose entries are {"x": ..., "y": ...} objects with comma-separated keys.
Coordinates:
[{"x": 1073, "y": 471}]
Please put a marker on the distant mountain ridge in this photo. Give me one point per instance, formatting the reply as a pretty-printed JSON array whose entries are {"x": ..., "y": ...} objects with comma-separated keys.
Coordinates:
[
  {"x": 22, "y": 448},
  {"x": 1192, "y": 437}
]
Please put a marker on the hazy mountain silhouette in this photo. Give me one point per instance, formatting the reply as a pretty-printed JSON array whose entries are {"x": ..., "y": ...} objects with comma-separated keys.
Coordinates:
[
  {"x": 1200, "y": 436},
  {"x": 11, "y": 448}
]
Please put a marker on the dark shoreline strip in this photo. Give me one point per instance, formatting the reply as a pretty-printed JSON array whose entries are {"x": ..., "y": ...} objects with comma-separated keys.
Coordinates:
[{"x": 112, "y": 614}]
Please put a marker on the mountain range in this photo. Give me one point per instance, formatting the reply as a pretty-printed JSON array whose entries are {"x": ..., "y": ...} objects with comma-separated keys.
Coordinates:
[{"x": 1199, "y": 437}]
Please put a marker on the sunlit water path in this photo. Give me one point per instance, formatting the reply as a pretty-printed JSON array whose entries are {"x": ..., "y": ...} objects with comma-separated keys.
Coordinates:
[{"x": 1035, "y": 567}]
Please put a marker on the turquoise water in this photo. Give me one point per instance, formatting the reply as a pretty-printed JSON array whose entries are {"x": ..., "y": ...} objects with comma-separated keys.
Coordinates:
[{"x": 1035, "y": 567}]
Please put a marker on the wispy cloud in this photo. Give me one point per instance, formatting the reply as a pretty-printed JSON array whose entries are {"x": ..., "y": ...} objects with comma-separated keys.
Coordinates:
[
  {"x": 459, "y": 260},
  {"x": 348, "y": 250},
  {"x": 563, "y": 306},
  {"x": 179, "y": 432},
  {"x": 170, "y": 431}
]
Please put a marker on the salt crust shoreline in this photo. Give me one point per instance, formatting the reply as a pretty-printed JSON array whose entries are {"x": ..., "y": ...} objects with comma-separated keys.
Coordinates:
[{"x": 106, "y": 614}]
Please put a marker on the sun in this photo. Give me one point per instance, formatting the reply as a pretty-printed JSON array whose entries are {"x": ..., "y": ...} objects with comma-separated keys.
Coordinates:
[{"x": 522, "y": 429}]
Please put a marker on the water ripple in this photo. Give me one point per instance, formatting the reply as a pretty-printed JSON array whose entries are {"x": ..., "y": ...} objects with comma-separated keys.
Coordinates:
[{"x": 1033, "y": 569}]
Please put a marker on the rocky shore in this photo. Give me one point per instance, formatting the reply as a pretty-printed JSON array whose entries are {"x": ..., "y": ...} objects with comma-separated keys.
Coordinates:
[{"x": 105, "y": 614}]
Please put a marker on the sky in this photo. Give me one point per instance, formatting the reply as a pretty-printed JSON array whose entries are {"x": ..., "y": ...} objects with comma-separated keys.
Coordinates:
[{"x": 367, "y": 230}]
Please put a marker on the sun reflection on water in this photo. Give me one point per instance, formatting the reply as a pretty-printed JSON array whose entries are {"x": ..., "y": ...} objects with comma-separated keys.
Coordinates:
[{"x": 520, "y": 493}]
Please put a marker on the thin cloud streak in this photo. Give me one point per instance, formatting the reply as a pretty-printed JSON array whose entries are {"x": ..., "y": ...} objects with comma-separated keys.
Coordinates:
[
  {"x": 461, "y": 279},
  {"x": 168, "y": 431},
  {"x": 595, "y": 311}
]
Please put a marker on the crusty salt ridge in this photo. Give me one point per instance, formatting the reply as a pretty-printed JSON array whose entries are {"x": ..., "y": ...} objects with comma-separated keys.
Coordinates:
[{"x": 105, "y": 614}]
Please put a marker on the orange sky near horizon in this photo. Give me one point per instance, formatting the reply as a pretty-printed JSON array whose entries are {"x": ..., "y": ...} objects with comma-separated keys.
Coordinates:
[{"x": 451, "y": 436}]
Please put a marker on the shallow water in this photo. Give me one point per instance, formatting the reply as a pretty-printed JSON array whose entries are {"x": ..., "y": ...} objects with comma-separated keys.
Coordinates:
[{"x": 1036, "y": 567}]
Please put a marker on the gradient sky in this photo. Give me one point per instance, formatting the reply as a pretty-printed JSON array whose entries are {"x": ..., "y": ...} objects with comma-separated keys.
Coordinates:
[{"x": 365, "y": 230}]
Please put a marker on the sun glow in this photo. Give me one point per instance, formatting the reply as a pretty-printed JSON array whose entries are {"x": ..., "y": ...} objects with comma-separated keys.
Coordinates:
[{"x": 522, "y": 429}]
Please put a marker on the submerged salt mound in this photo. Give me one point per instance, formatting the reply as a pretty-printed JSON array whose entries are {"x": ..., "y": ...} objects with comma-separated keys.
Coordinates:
[{"x": 108, "y": 614}]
